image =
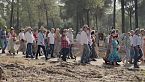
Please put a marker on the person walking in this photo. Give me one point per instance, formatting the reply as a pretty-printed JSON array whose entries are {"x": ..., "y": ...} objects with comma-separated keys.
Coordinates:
[
  {"x": 41, "y": 42},
  {"x": 11, "y": 43},
  {"x": 22, "y": 41},
  {"x": 57, "y": 42},
  {"x": 127, "y": 45},
  {"x": 84, "y": 42},
  {"x": 30, "y": 40},
  {"x": 64, "y": 45},
  {"x": 51, "y": 41},
  {"x": 132, "y": 48},
  {"x": 114, "y": 57},
  {"x": 137, "y": 48},
  {"x": 71, "y": 39},
  {"x": 4, "y": 39}
]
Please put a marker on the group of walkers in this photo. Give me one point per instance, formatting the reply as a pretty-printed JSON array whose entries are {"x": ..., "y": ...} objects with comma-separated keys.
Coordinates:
[
  {"x": 56, "y": 43},
  {"x": 133, "y": 43},
  {"x": 53, "y": 43}
]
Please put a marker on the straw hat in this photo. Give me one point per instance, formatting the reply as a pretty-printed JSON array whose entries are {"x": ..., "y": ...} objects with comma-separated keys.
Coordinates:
[
  {"x": 29, "y": 28},
  {"x": 42, "y": 28},
  {"x": 12, "y": 28}
]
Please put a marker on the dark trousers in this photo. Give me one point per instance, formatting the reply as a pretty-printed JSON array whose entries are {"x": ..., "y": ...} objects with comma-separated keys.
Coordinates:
[
  {"x": 138, "y": 54},
  {"x": 65, "y": 52},
  {"x": 70, "y": 51},
  {"x": 29, "y": 50},
  {"x": 51, "y": 49},
  {"x": 38, "y": 51}
]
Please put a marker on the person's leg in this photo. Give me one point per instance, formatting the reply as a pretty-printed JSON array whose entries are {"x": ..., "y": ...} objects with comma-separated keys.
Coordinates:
[
  {"x": 83, "y": 55},
  {"x": 65, "y": 52},
  {"x": 38, "y": 51},
  {"x": 44, "y": 51},
  {"x": 70, "y": 51},
  {"x": 136, "y": 57},
  {"x": 3, "y": 45},
  {"x": 140, "y": 54},
  {"x": 52, "y": 50},
  {"x": 87, "y": 54}
]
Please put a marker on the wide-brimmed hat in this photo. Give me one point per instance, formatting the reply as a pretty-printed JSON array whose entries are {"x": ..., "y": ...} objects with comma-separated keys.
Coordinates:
[
  {"x": 29, "y": 28},
  {"x": 42, "y": 28},
  {"x": 22, "y": 29},
  {"x": 12, "y": 28}
]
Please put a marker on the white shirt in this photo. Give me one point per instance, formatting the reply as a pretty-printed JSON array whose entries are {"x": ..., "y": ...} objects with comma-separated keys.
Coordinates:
[
  {"x": 51, "y": 38},
  {"x": 136, "y": 40},
  {"x": 84, "y": 38},
  {"x": 29, "y": 37},
  {"x": 22, "y": 36},
  {"x": 131, "y": 40},
  {"x": 78, "y": 37},
  {"x": 71, "y": 37}
]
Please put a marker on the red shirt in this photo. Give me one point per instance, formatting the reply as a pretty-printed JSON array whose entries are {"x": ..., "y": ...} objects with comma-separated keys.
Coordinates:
[
  {"x": 64, "y": 42},
  {"x": 35, "y": 36}
]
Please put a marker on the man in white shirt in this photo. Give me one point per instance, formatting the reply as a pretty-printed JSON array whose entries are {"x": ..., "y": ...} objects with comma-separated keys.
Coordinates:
[
  {"x": 71, "y": 40},
  {"x": 85, "y": 45},
  {"x": 29, "y": 39},
  {"x": 22, "y": 40},
  {"x": 51, "y": 40},
  {"x": 137, "y": 47}
]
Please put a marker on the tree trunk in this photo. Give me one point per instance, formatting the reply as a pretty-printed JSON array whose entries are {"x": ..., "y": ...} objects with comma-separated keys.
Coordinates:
[
  {"x": 130, "y": 16},
  {"x": 96, "y": 17},
  {"x": 88, "y": 17},
  {"x": 17, "y": 13},
  {"x": 12, "y": 12},
  {"x": 46, "y": 12},
  {"x": 114, "y": 15},
  {"x": 123, "y": 16},
  {"x": 77, "y": 22},
  {"x": 136, "y": 14},
  {"x": 29, "y": 12}
]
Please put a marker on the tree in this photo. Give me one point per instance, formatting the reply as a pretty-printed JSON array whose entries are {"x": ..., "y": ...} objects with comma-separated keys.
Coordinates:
[
  {"x": 123, "y": 16},
  {"x": 136, "y": 13},
  {"x": 114, "y": 15}
]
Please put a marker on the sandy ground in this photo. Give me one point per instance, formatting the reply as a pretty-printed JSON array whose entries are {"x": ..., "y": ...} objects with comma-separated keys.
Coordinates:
[{"x": 20, "y": 69}]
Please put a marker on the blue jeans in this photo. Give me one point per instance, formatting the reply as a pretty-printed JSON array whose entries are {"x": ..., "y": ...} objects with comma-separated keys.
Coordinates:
[
  {"x": 4, "y": 44},
  {"x": 65, "y": 52},
  {"x": 51, "y": 49},
  {"x": 138, "y": 54},
  {"x": 86, "y": 54},
  {"x": 29, "y": 50}
]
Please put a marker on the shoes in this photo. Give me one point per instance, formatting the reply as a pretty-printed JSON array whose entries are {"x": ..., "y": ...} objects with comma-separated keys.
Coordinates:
[
  {"x": 3, "y": 52},
  {"x": 136, "y": 66},
  {"x": 17, "y": 51}
]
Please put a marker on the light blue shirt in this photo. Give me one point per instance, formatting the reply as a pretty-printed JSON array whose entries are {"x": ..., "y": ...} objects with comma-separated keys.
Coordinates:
[{"x": 41, "y": 39}]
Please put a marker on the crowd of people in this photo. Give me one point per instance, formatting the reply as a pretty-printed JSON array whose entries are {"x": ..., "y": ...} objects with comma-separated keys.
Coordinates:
[
  {"x": 133, "y": 43},
  {"x": 53, "y": 43},
  {"x": 56, "y": 43}
]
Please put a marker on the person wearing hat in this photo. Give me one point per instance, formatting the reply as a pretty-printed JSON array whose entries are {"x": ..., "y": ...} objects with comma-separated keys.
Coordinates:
[
  {"x": 41, "y": 42},
  {"x": 71, "y": 39},
  {"x": 84, "y": 43},
  {"x": 137, "y": 47},
  {"x": 11, "y": 41},
  {"x": 65, "y": 44},
  {"x": 30, "y": 40},
  {"x": 22, "y": 41},
  {"x": 51, "y": 42},
  {"x": 114, "y": 57},
  {"x": 4, "y": 39}
]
